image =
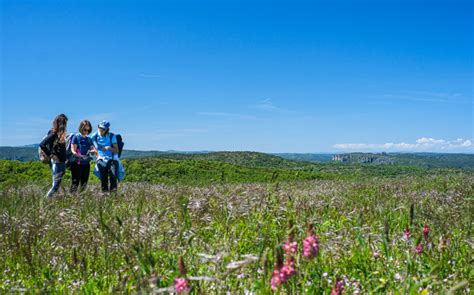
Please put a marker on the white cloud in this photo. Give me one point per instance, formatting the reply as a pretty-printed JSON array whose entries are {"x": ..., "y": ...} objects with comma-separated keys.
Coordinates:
[
  {"x": 428, "y": 96},
  {"x": 421, "y": 144}
]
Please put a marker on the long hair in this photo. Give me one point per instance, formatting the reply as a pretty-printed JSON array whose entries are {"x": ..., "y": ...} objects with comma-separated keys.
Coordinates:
[
  {"x": 61, "y": 133},
  {"x": 59, "y": 123}
]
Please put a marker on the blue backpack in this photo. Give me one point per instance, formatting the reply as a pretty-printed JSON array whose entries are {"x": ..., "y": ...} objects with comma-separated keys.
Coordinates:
[{"x": 69, "y": 156}]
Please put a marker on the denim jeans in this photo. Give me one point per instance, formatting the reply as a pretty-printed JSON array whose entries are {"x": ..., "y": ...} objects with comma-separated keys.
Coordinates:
[{"x": 58, "y": 169}]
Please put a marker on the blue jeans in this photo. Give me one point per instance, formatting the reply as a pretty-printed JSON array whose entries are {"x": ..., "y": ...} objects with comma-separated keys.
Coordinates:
[{"x": 58, "y": 169}]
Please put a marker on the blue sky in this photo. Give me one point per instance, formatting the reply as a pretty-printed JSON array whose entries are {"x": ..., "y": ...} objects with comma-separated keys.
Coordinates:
[{"x": 270, "y": 76}]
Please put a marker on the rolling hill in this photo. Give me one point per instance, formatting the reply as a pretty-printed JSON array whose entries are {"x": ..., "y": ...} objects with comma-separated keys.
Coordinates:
[{"x": 280, "y": 160}]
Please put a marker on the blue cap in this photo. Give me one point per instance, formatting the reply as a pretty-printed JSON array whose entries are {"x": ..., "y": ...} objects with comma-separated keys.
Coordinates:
[{"x": 104, "y": 125}]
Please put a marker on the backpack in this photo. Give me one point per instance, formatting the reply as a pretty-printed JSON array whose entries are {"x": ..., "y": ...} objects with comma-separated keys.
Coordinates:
[
  {"x": 120, "y": 142},
  {"x": 69, "y": 155},
  {"x": 42, "y": 155}
]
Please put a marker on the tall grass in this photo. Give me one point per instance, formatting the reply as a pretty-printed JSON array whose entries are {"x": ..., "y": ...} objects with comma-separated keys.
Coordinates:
[{"x": 229, "y": 236}]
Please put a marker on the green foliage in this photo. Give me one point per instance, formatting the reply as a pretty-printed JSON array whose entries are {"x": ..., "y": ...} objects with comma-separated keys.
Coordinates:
[
  {"x": 278, "y": 160},
  {"x": 200, "y": 172}
]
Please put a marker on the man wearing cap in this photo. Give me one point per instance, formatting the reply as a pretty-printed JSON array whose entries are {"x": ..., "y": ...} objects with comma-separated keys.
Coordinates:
[{"x": 106, "y": 145}]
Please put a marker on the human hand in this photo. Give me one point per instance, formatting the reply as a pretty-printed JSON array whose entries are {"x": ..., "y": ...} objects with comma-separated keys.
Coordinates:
[{"x": 55, "y": 158}]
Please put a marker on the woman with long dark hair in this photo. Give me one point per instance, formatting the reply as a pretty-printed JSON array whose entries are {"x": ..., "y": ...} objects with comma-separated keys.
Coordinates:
[{"x": 54, "y": 146}]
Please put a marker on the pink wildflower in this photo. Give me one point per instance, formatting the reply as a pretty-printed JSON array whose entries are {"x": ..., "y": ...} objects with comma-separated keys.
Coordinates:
[
  {"x": 419, "y": 248},
  {"x": 426, "y": 232},
  {"x": 275, "y": 281},
  {"x": 310, "y": 244},
  {"x": 338, "y": 287},
  {"x": 375, "y": 254},
  {"x": 290, "y": 247},
  {"x": 288, "y": 269},
  {"x": 181, "y": 285},
  {"x": 406, "y": 234}
]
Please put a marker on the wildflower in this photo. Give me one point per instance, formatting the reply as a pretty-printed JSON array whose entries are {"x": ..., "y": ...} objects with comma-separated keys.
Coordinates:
[
  {"x": 419, "y": 248},
  {"x": 310, "y": 244},
  {"x": 375, "y": 254},
  {"x": 406, "y": 234},
  {"x": 181, "y": 285},
  {"x": 398, "y": 276},
  {"x": 338, "y": 287},
  {"x": 288, "y": 269},
  {"x": 426, "y": 231},
  {"x": 278, "y": 278},
  {"x": 275, "y": 281},
  {"x": 290, "y": 247}
]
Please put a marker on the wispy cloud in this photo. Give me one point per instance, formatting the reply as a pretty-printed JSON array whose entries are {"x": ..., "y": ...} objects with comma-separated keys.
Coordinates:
[
  {"x": 228, "y": 115},
  {"x": 149, "y": 76},
  {"x": 32, "y": 121},
  {"x": 428, "y": 96},
  {"x": 268, "y": 105},
  {"x": 160, "y": 134},
  {"x": 96, "y": 118},
  {"x": 421, "y": 144}
]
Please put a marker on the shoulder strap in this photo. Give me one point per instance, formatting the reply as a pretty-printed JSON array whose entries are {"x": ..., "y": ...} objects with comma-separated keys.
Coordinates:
[
  {"x": 78, "y": 139},
  {"x": 111, "y": 144},
  {"x": 94, "y": 141}
]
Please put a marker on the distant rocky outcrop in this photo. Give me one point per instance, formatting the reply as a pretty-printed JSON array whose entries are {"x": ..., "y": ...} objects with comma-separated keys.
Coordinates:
[{"x": 363, "y": 158}]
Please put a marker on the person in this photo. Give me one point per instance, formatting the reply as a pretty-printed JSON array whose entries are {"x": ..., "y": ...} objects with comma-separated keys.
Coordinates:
[
  {"x": 81, "y": 148},
  {"x": 106, "y": 146},
  {"x": 54, "y": 146}
]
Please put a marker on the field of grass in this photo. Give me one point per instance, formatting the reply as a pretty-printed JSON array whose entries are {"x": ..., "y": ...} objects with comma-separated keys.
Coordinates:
[{"x": 230, "y": 236}]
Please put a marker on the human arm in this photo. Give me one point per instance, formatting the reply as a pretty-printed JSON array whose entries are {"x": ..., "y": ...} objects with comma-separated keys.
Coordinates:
[
  {"x": 114, "y": 148},
  {"x": 47, "y": 143}
]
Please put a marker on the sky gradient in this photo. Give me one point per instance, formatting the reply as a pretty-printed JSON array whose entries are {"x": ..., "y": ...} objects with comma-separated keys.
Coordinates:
[{"x": 269, "y": 76}]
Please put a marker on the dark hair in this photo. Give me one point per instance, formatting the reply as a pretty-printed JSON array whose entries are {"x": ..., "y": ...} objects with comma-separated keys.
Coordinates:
[
  {"x": 59, "y": 123},
  {"x": 84, "y": 124}
]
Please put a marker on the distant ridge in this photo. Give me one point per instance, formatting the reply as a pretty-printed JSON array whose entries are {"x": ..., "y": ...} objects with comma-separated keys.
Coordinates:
[{"x": 279, "y": 160}]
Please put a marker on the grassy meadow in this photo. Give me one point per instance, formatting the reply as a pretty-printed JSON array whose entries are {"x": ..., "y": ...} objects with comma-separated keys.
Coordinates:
[{"x": 238, "y": 229}]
